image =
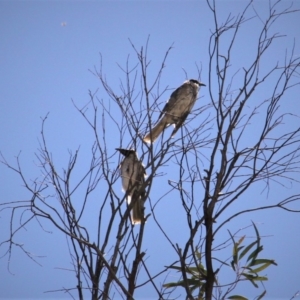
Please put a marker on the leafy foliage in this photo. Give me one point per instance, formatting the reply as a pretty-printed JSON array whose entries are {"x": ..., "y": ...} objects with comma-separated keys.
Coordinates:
[{"x": 246, "y": 269}]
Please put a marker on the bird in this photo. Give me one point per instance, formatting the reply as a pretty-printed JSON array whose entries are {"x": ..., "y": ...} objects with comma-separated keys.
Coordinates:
[
  {"x": 133, "y": 181},
  {"x": 176, "y": 109}
]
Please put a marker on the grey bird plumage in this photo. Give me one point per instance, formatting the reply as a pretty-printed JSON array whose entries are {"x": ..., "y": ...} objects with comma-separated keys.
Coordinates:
[
  {"x": 176, "y": 109},
  {"x": 133, "y": 179}
]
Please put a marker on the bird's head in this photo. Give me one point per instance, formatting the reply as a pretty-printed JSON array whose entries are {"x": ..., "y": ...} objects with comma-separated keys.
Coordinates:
[
  {"x": 198, "y": 83},
  {"x": 126, "y": 152}
]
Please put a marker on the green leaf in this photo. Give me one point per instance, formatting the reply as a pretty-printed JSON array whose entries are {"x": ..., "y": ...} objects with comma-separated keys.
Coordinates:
[
  {"x": 237, "y": 297},
  {"x": 192, "y": 270},
  {"x": 239, "y": 249},
  {"x": 174, "y": 284},
  {"x": 250, "y": 278},
  {"x": 232, "y": 265},
  {"x": 193, "y": 282},
  {"x": 257, "y": 235},
  {"x": 262, "y": 295},
  {"x": 254, "y": 254},
  {"x": 247, "y": 249},
  {"x": 261, "y": 278},
  {"x": 236, "y": 249},
  {"x": 259, "y": 248},
  {"x": 256, "y": 231},
  {"x": 202, "y": 290},
  {"x": 174, "y": 267},
  {"x": 265, "y": 262},
  {"x": 235, "y": 252},
  {"x": 233, "y": 241},
  {"x": 253, "y": 278},
  {"x": 241, "y": 239},
  {"x": 198, "y": 271},
  {"x": 198, "y": 254}
]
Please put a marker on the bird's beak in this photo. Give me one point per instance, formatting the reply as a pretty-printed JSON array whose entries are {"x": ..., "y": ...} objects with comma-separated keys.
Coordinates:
[
  {"x": 202, "y": 84},
  {"x": 122, "y": 151}
]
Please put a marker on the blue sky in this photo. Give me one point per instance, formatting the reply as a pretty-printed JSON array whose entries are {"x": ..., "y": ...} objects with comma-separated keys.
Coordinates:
[{"x": 44, "y": 65}]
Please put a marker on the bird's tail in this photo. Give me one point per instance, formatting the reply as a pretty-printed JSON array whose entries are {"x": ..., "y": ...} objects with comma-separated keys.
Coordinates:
[
  {"x": 137, "y": 211},
  {"x": 155, "y": 132}
]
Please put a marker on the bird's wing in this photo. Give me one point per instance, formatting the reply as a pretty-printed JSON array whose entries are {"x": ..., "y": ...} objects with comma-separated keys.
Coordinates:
[
  {"x": 140, "y": 176},
  {"x": 138, "y": 195},
  {"x": 126, "y": 173},
  {"x": 164, "y": 110},
  {"x": 171, "y": 102},
  {"x": 179, "y": 95},
  {"x": 179, "y": 123}
]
